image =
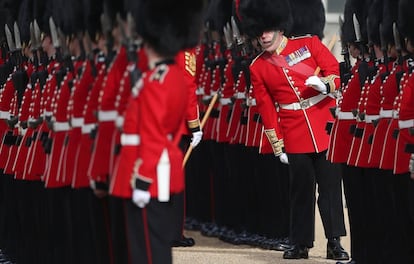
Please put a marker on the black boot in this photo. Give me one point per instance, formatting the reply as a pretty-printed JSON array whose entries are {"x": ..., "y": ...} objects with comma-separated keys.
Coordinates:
[
  {"x": 335, "y": 250},
  {"x": 184, "y": 242},
  {"x": 349, "y": 262},
  {"x": 296, "y": 252}
]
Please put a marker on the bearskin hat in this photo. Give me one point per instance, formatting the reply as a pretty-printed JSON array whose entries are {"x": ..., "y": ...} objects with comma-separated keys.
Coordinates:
[
  {"x": 218, "y": 14},
  {"x": 258, "y": 16},
  {"x": 169, "y": 26},
  {"x": 405, "y": 18},
  {"x": 308, "y": 17},
  {"x": 374, "y": 21},
  {"x": 359, "y": 8},
  {"x": 92, "y": 10},
  {"x": 389, "y": 16}
]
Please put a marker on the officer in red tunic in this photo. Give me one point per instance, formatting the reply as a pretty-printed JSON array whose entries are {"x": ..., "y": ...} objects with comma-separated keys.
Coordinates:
[
  {"x": 155, "y": 115},
  {"x": 286, "y": 74}
]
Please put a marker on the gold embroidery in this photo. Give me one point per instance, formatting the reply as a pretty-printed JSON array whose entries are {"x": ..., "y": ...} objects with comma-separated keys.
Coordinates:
[
  {"x": 190, "y": 63},
  {"x": 282, "y": 45},
  {"x": 193, "y": 123},
  {"x": 277, "y": 144},
  {"x": 330, "y": 81}
]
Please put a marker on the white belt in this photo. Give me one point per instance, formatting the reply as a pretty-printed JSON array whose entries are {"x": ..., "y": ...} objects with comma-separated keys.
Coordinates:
[
  {"x": 4, "y": 115},
  {"x": 240, "y": 95},
  {"x": 61, "y": 126},
  {"x": 119, "y": 121},
  {"x": 251, "y": 101},
  {"x": 345, "y": 115},
  {"x": 86, "y": 129},
  {"x": 206, "y": 97},
  {"x": 225, "y": 101},
  {"x": 107, "y": 115},
  {"x": 304, "y": 104},
  {"x": 385, "y": 113},
  {"x": 370, "y": 118},
  {"x": 77, "y": 121},
  {"x": 405, "y": 123},
  {"x": 130, "y": 139},
  {"x": 47, "y": 113},
  {"x": 199, "y": 91},
  {"x": 395, "y": 114}
]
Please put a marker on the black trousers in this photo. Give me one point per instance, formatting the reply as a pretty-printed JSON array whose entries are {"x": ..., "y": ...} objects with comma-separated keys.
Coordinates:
[
  {"x": 359, "y": 196},
  {"x": 151, "y": 230},
  {"x": 307, "y": 170}
]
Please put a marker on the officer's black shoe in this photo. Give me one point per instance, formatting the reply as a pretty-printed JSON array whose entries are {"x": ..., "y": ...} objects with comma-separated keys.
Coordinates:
[
  {"x": 184, "y": 242},
  {"x": 296, "y": 252},
  {"x": 349, "y": 262},
  {"x": 335, "y": 250}
]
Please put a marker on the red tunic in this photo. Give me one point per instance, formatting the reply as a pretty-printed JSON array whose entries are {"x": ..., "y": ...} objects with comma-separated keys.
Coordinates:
[
  {"x": 160, "y": 109},
  {"x": 54, "y": 173},
  {"x": 99, "y": 167},
  {"x": 405, "y": 122},
  {"x": 304, "y": 128},
  {"x": 341, "y": 136}
]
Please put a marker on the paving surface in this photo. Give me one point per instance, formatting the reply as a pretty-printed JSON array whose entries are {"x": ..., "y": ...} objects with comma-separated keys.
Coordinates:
[{"x": 213, "y": 251}]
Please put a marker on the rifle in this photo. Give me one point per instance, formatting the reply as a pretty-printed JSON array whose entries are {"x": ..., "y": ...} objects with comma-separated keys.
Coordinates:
[{"x": 344, "y": 66}]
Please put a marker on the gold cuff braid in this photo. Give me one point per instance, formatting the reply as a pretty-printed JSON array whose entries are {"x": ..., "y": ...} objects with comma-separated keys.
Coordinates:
[
  {"x": 193, "y": 123},
  {"x": 330, "y": 82},
  {"x": 277, "y": 144}
]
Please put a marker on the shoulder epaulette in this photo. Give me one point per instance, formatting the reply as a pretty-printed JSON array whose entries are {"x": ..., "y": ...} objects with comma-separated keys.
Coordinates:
[{"x": 301, "y": 37}]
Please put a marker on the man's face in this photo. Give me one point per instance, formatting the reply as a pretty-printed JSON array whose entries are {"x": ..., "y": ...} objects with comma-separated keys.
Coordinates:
[
  {"x": 409, "y": 45},
  {"x": 353, "y": 51},
  {"x": 270, "y": 40}
]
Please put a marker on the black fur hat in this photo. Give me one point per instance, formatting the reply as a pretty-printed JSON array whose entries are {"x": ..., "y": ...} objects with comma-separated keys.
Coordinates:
[
  {"x": 389, "y": 16},
  {"x": 258, "y": 16},
  {"x": 169, "y": 26},
  {"x": 359, "y": 8},
  {"x": 92, "y": 10},
  {"x": 405, "y": 19},
  {"x": 308, "y": 17},
  {"x": 374, "y": 20},
  {"x": 218, "y": 13}
]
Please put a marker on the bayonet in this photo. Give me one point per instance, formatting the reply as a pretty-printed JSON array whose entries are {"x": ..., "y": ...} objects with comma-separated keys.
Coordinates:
[
  {"x": 37, "y": 33},
  {"x": 396, "y": 34},
  {"x": 131, "y": 26},
  {"x": 17, "y": 40},
  {"x": 236, "y": 31},
  {"x": 32, "y": 37},
  {"x": 54, "y": 33},
  {"x": 227, "y": 37},
  {"x": 384, "y": 47},
  {"x": 357, "y": 28},
  {"x": 397, "y": 42},
  {"x": 9, "y": 38},
  {"x": 121, "y": 26}
]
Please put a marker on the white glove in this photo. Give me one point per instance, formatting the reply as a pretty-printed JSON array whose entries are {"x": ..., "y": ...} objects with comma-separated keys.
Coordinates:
[
  {"x": 284, "y": 158},
  {"x": 411, "y": 166},
  {"x": 197, "y": 136},
  {"x": 141, "y": 198},
  {"x": 316, "y": 83}
]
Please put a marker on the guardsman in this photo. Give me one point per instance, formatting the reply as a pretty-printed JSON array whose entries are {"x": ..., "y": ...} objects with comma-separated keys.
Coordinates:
[
  {"x": 406, "y": 9},
  {"x": 345, "y": 122},
  {"x": 155, "y": 186},
  {"x": 303, "y": 96}
]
